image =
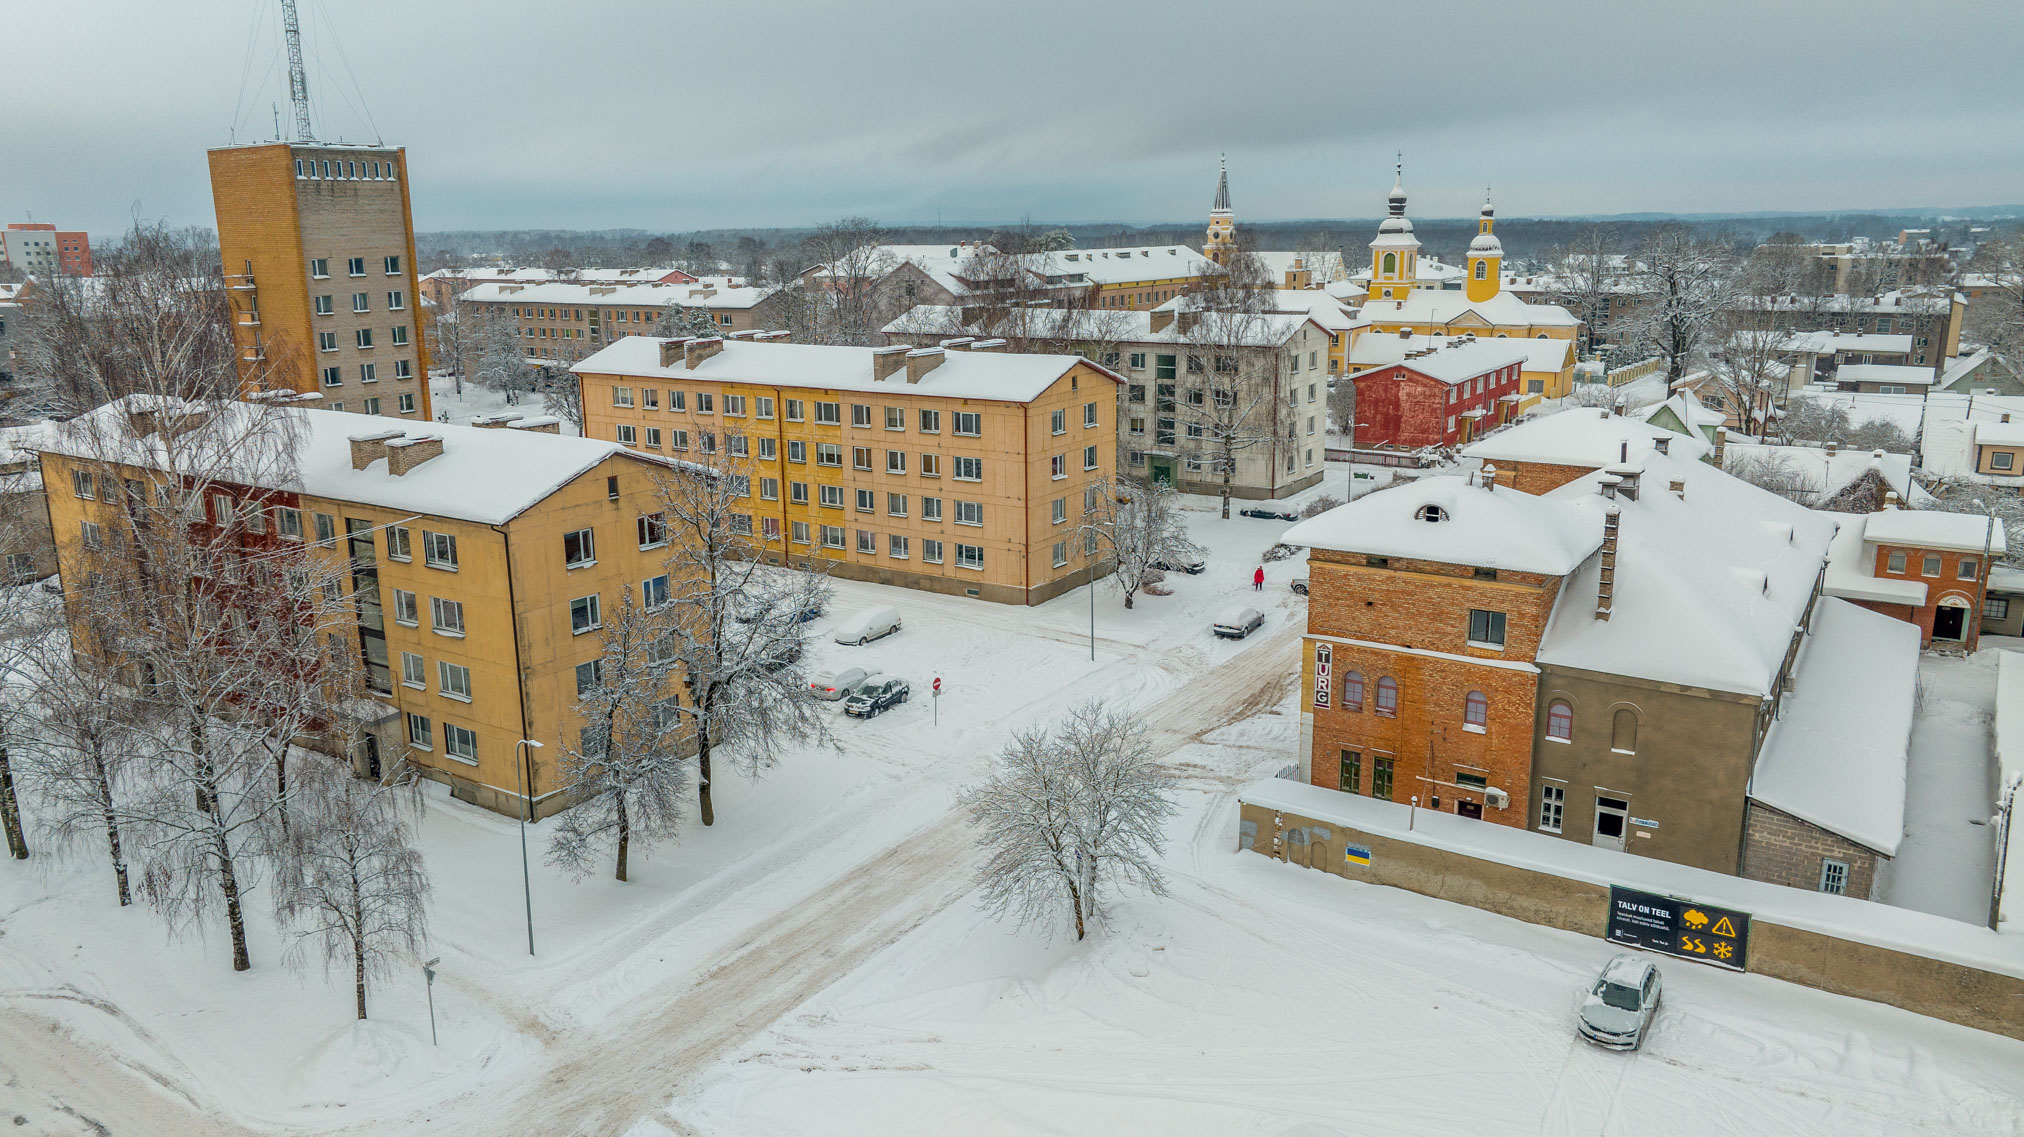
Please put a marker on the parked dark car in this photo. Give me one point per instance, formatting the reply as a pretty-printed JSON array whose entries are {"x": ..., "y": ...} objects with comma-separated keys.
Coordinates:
[
  {"x": 1193, "y": 566},
  {"x": 1269, "y": 514},
  {"x": 1236, "y": 623},
  {"x": 876, "y": 694}
]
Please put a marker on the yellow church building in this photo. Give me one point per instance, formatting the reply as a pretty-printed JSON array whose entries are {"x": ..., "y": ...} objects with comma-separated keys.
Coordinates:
[{"x": 1397, "y": 312}]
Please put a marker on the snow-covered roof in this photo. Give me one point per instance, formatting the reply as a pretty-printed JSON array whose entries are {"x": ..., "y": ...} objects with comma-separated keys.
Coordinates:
[
  {"x": 1710, "y": 583},
  {"x": 1962, "y": 367},
  {"x": 1935, "y": 529},
  {"x": 1851, "y": 568},
  {"x": 1835, "y": 755},
  {"x": 1823, "y": 342},
  {"x": 1440, "y": 306},
  {"x": 1821, "y": 475},
  {"x": 488, "y": 476},
  {"x": 700, "y": 294},
  {"x": 1884, "y": 304},
  {"x": 488, "y": 275},
  {"x": 1121, "y": 266},
  {"x": 1475, "y": 526},
  {"x": 1581, "y": 436},
  {"x": 1902, "y": 411},
  {"x": 1381, "y": 349},
  {"x": 1457, "y": 360},
  {"x": 2003, "y": 578},
  {"x": 1999, "y": 433},
  {"x": 1325, "y": 266},
  {"x": 996, "y": 376},
  {"x": 1108, "y": 325},
  {"x": 1428, "y": 272},
  {"x": 1897, "y": 373},
  {"x": 1691, "y": 412}
]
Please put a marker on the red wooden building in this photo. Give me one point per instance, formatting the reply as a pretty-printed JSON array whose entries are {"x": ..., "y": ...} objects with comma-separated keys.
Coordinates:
[{"x": 1438, "y": 396}]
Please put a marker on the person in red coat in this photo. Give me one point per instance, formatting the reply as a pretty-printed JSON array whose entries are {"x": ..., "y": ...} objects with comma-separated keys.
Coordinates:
[{"x": 1258, "y": 579}]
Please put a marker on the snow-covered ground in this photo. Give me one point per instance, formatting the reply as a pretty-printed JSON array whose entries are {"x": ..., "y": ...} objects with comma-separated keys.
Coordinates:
[
  {"x": 1947, "y": 863},
  {"x": 813, "y": 963},
  {"x": 456, "y": 406}
]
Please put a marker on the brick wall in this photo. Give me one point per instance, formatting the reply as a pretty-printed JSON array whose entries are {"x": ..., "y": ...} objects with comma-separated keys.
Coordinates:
[
  {"x": 1782, "y": 849},
  {"x": 1539, "y": 477}
]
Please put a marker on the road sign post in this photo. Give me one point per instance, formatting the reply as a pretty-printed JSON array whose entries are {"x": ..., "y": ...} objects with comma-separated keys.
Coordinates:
[{"x": 937, "y": 700}]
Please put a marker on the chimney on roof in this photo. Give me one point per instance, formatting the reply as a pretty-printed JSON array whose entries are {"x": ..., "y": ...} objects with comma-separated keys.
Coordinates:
[
  {"x": 1833, "y": 448},
  {"x": 1189, "y": 318},
  {"x": 958, "y": 343},
  {"x": 404, "y": 454},
  {"x": 369, "y": 448},
  {"x": 671, "y": 350},
  {"x": 988, "y": 345},
  {"x": 1721, "y": 443},
  {"x": 747, "y": 334},
  {"x": 545, "y": 424},
  {"x": 1890, "y": 499},
  {"x": 920, "y": 361},
  {"x": 1605, "y": 584},
  {"x": 1626, "y": 480},
  {"x": 482, "y": 422},
  {"x": 1662, "y": 445},
  {"x": 2006, "y": 416},
  {"x": 696, "y": 351},
  {"x": 1679, "y": 488},
  {"x": 1405, "y": 333},
  {"x": 775, "y": 336},
  {"x": 886, "y": 361},
  {"x": 1490, "y": 476},
  {"x": 1162, "y": 319}
]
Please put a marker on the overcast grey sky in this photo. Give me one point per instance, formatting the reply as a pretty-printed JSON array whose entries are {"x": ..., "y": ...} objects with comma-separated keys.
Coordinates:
[{"x": 674, "y": 115}]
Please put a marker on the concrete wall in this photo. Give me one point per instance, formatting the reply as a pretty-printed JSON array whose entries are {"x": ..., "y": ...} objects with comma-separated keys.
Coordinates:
[{"x": 1942, "y": 989}]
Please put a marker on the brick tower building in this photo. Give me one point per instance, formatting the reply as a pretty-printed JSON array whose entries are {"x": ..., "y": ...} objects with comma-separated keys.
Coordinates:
[{"x": 318, "y": 245}]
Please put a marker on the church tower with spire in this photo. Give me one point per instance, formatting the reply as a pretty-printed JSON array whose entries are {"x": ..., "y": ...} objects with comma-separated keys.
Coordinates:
[
  {"x": 1486, "y": 257},
  {"x": 1394, "y": 255},
  {"x": 1221, "y": 241}
]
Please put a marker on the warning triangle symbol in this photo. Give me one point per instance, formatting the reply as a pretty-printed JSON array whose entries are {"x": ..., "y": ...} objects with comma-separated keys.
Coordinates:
[{"x": 1723, "y": 928}]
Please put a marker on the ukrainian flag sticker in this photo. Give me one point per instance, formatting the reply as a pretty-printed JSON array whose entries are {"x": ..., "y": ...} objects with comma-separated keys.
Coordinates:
[{"x": 1355, "y": 856}]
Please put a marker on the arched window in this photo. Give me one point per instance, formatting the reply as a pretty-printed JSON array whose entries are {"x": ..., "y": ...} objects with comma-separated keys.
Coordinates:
[
  {"x": 1482, "y": 269},
  {"x": 1352, "y": 691},
  {"x": 1390, "y": 263},
  {"x": 1560, "y": 721},
  {"x": 1476, "y": 710},
  {"x": 1623, "y": 731},
  {"x": 1388, "y": 697},
  {"x": 1433, "y": 512}
]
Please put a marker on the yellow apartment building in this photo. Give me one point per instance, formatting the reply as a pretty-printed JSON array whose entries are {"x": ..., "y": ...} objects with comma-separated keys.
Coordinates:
[
  {"x": 563, "y": 323},
  {"x": 318, "y": 246},
  {"x": 959, "y": 470},
  {"x": 483, "y": 564}
]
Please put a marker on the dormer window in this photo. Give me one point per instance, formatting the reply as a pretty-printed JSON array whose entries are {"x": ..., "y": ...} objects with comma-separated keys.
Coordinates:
[{"x": 1431, "y": 513}]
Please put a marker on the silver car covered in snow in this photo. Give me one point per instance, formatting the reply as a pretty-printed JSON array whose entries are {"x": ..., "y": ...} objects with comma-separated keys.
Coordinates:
[{"x": 1618, "y": 1009}]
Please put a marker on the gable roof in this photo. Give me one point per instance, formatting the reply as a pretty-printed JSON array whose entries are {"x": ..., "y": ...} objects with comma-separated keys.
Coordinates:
[
  {"x": 1582, "y": 436},
  {"x": 989, "y": 375}
]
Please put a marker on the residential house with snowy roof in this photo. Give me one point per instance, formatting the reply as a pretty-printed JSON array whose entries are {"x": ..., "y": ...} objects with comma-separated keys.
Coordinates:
[
  {"x": 1438, "y": 396},
  {"x": 1639, "y": 656},
  {"x": 1829, "y": 477},
  {"x": 1547, "y": 452},
  {"x": 1931, "y": 316},
  {"x": 1926, "y": 567},
  {"x": 480, "y": 563},
  {"x": 957, "y": 468},
  {"x": 1173, "y": 358}
]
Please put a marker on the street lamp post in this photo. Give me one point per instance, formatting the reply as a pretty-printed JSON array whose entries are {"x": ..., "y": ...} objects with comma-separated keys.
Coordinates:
[
  {"x": 526, "y": 807},
  {"x": 429, "y": 981}
]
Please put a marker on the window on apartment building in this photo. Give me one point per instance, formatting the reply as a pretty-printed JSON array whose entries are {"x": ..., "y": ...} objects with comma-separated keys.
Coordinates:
[
  {"x": 1833, "y": 875},
  {"x": 867, "y": 501},
  {"x": 769, "y": 489},
  {"x": 288, "y": 522},
  {"x": 706, "y": 441},
  {"x": 579, "y": 548},
  {"x": 446, "y": 616},
  {"x": 1968, "y": 569},
  {"x": 1381, "y": 778},
  {"x": 1895, "y": 562},
  {"x": 1560, "y": 721},
  {"x": 738, "y": 445},
  {"x": 326, "y": 529},
  {"x": 969, "y": 513},
  {"x": 969, "y": 423},
  {"x": 860, "y": 414},
  {"x": 706, "y": 403},
  {"x": 762, "y": 406},
  {"x": 397, "y": 301},
  {"x": 439, "y": 550},
  {"x": 867, "y": 542},
  {"x": 405, "y": 612},
  {"x": 399, "y": 332},
  {"x": 1057, "y": 422},
  {"x": 1352, "y": 691},
  {"x": 1552, "y": 807},
  {"x": 931, "y": 551},
  {"x": 831, "y": 496},
  {"x": 970, "y": 557},
  {"x": 860, "y": 457},
  {"x": 832, "y": 536},
  {"x": 792, "y": 408},
  {"x": 931, "y": 465},
  {"x": 970, "y": 469},
  {"x": 828, "y": 414},
  {"x": 372, "y": 406},
  {"x": 1088, "y": 415},
  {"x": 798, "y": 532},
  {"x": 393, "y": 266},
  {"x": 1486, "y": 629},
  {"x": 896, "y": 547},
  {"x": 589, "y": 677},
  {"x": 355, "y": 266},
  {"x": 319, "y": 267},
  {"x": 362, "y": 337},
  {"x": 421, "y": 735},
  {"x": 82, "y": 484},
  {"x": 678, "y": 439},
  {"x": 1931, "y": 565},
  {"x": 326, "y": 341},
  {"x": 1476, "y": 711},
  {"x": 1387, "y": 696},
  {"x": 828, "y": 454},
  {"x": 453, "y": 680},
  {"x": 895, "y": 418},
  {"x": 931, "y": 509},
  {"x": 323, "y": 306},
  {"x": 734, "y": 405},
  {"x": 1996, "y": 608},
  {"x": 896, "y": 505},
  {"x": 460, "y": 743},
  {"x": 653, "y": 438},
  {"x": 678, "y": 400},
  {"x": 621, "y": 396},
  {"x": 90, "y": 533},
  {"x": 1089, "y": 457},
  {"x": 931, "y": 422},
  {"x": 585, "y": 615},
  {"x": 896, "y": 461},
  {"x": 368, "y": 373},
  {"x": 1057, "y": 466},
  {"x": 797, "y": 492},
  {"x": 2002, "y": 459}
]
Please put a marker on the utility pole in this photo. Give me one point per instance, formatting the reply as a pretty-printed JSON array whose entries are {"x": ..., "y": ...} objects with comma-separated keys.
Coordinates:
[{"x": 298, "y": 78}]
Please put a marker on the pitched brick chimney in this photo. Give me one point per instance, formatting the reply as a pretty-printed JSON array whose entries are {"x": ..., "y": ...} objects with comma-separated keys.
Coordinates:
[
  {"x": 404, "y": 454},
  {"x": 496, "y": 421},
  {"x": 1605, "y": 585},
  {"x": 696, "y": 351},
  {"x": 1489, "y": 476},
  {"x": 923, "y": 360},
  {"x": 1721, "y": 442},
  {"x": 887, "y": 361},
  {"x": 958, "y": 343},
  {"x": 1162, "y": 319},
  {"x": 543, "y": 424},
  {"x": 369, "y": 448},
  {"x": 671, "y": 350},
  {"x": 988, "y": 345}
]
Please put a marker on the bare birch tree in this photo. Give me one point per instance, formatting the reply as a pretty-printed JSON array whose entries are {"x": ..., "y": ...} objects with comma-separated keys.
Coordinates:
[
  {"x": 627, "y": 768},
  {"x": 1139, "y": 525},
  {"x": 1748, "y": 368},
  {"x": 849, "y": 301},
  {"x": 1230, "y": 398},
  {"x": 359, "y": 895},
  {"x": 1073, "y": 814},
  {"x": 1587, "y": 275},
  {"x": 1685, "y": 287},
  {"x": 501, "y": 356},
  {"x": 83, "y": 767},
  {"x": 736, "y": 624}
]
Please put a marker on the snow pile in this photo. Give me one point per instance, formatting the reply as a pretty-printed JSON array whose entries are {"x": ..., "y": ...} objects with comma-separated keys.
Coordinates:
[{"x": 1835, "y": 755}]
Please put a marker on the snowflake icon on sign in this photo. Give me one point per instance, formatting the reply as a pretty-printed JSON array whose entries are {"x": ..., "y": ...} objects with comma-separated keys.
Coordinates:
[
  {"x": 1694, "y": 918},
  {"x": 1724, "y": 951}
]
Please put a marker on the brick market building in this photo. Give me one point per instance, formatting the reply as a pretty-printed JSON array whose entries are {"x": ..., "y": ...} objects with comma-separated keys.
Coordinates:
[{"x": 1639, "y": 655}]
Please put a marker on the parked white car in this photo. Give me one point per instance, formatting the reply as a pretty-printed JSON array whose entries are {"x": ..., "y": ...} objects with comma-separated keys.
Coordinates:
[
  {"x": 1618, "y": 1009},
  {"x": 830, "y": 686},
  {"x": 871, "y": 624},
  {"x": 1236, "y": 623}
]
